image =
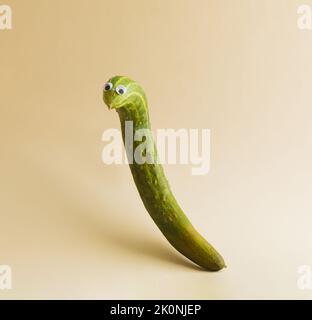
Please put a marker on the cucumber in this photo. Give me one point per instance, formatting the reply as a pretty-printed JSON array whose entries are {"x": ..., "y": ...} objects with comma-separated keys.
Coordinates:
[{"x": 129, "y": 100}]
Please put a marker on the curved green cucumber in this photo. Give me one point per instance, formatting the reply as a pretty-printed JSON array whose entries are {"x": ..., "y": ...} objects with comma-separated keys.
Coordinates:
[{"x": 129, "y": 100}]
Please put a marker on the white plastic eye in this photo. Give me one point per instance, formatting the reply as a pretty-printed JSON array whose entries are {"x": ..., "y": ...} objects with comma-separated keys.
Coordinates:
[
  {"x": 121, "y": 89},
  {"x": 108, "y": 86}
]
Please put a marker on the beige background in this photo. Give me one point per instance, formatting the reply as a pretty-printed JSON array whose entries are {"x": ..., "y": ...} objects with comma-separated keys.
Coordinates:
[{"x": 72, "y": 227}]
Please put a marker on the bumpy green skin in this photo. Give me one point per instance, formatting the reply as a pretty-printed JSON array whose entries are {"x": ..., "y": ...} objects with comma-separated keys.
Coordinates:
[{"x": 152, "y": 183}]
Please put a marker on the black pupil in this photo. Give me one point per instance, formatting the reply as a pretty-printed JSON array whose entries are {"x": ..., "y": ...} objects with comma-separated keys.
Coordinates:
[
  {"x": 107, "y": 87},
  {"x": 121, "y": 91}
]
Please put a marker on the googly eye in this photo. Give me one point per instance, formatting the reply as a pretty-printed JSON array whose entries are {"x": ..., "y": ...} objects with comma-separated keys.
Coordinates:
[
  {"x": 121, "y": 89},
  {"x": 108, "y": 86}
]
